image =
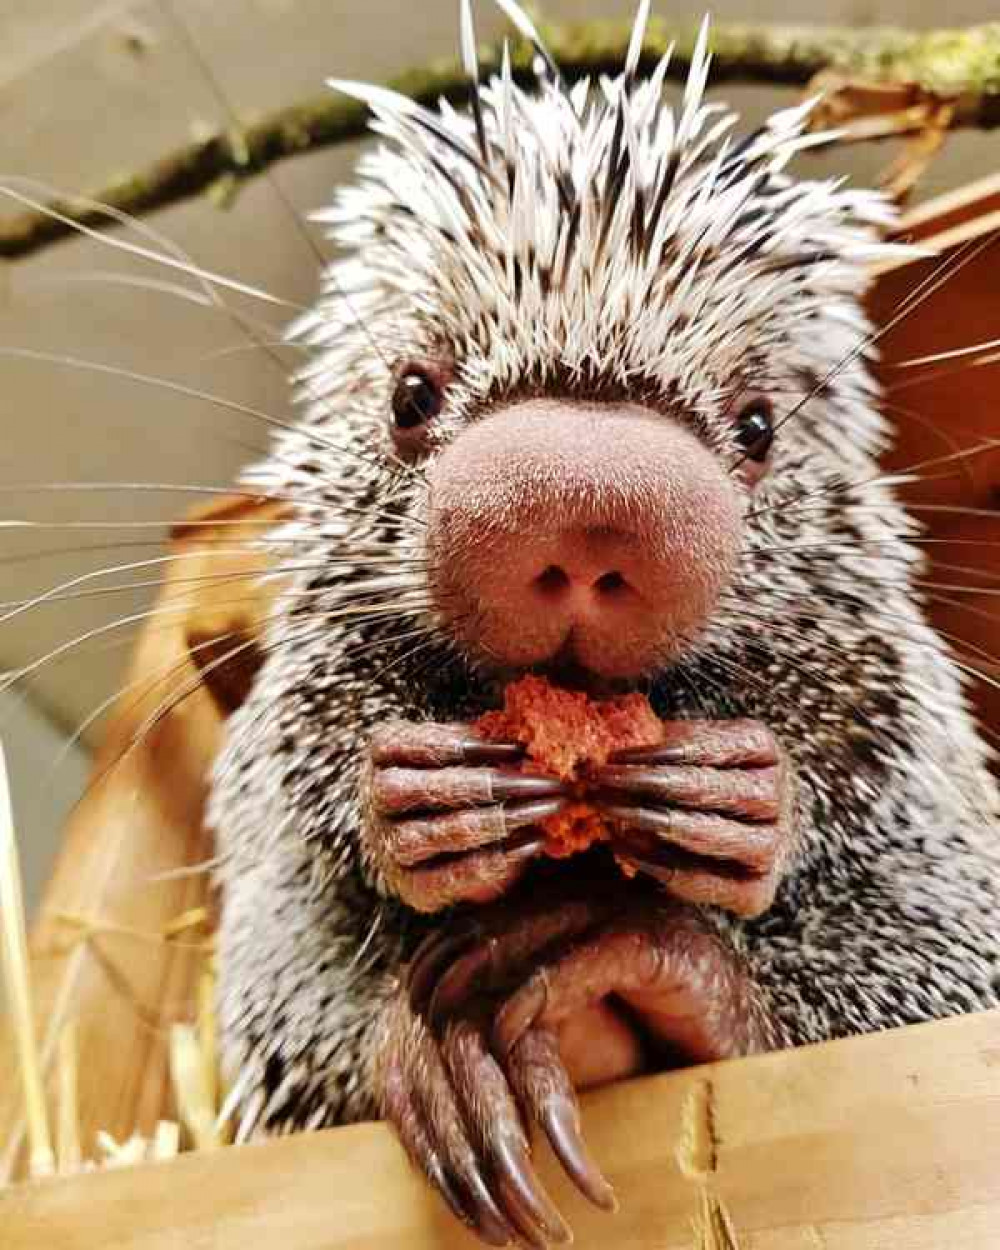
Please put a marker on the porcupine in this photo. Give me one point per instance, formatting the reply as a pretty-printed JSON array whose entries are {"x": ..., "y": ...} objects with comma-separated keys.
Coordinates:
[{"x": 580, "y": 317}]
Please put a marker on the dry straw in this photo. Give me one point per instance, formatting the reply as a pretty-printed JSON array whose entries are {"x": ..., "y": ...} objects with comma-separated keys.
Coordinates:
[
  {"x": 197, "y": 1088},
  {"x": 15, "y": 965}
]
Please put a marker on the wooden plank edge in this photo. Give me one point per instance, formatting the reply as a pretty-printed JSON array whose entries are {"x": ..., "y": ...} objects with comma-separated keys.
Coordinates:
[
  {"x": 889, "y": 1141},
  {"x": 953, "y": 208}
]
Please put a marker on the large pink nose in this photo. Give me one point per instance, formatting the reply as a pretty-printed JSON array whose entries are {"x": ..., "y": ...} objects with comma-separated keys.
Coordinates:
[{"x": 593, "y": 532}]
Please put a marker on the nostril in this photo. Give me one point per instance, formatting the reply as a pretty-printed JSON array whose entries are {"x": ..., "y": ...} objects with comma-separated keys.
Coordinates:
[
  {"x": 610, "y": 584},
  {"x": 552, "y": 581}
]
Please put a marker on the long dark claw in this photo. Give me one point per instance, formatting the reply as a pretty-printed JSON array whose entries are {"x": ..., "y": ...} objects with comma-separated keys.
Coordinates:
[
  {"x": 718, "y": 744},
  {"x": 424, "y": 744},
  {"x": 519, "y": 1012},
  {"x": 525, "y": 786},
  {"x": 702, "y": 840},
  {"x": 675, "y": 754},
  {"x": 417, "y": 840},
  {"x": 561, "y": 1123},
  {"x": 664, "y": 873},
  {"x": 525, "y": 1199},
  {"x": 520, "y": 814},
  {"x": 454, "y": 986},
  {"x": 544, "y": 1091},
  {"x": 488, "y": 958},
  {"x": 399, "y": 791},
  {"x": 748, "y": 794},
  {"x": 490, "y": 1225},
  {"x": 642, "y": 819},
  {"x": 488, "y": 1219},
  {"x": 436, "y": 950},
  {"x": 479, "y": 751}
]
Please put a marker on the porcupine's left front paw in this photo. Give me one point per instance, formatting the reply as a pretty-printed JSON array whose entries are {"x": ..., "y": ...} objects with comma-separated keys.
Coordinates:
[
  {"x": 709, "y": 812},
  {"x": 449, "y": 816}
]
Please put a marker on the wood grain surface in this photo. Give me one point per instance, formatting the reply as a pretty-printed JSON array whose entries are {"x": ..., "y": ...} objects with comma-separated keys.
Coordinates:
[{"x": 887, "y": 1142}]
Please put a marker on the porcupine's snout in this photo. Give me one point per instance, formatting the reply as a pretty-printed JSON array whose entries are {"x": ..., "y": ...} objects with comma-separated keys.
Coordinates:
[{"x": 596, "y": 534}]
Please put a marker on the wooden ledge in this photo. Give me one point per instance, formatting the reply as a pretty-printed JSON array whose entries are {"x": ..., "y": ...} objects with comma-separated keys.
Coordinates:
[{"x": 886, "y": 1142}]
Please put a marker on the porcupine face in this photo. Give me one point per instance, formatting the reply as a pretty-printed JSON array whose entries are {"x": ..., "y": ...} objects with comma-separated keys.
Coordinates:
[{"x": 571, "y": 341}]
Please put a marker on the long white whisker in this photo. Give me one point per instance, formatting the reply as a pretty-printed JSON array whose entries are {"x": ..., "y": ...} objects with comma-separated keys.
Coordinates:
[
  {"x": 195, "y": 271},
  {"x": 177, "y": 388},
  {"x": 954, "y": 354}
]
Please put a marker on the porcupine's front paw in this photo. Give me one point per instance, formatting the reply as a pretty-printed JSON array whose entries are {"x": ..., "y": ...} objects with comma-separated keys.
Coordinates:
[
  {"x": 709, "y": 812},
  {"x": 504, "y": 1012},
  {"x": 449, "y": 816}
]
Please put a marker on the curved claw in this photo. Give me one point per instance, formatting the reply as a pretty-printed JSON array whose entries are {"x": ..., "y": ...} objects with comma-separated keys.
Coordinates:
[
  {"x": 718, "y": 744},
  {"x": 705, "y": 859},
  {"x": 542, "y": 1085},
  {"x": 418, "y": 839},
  {"x": 424, "y": 744},
  {"x": 491, "y": 956},
  {"x": 561, "y": 1123},
  {"x": 751, "y": 794},
  {"x": 433, "y": 953},
  {"x": 520, "y": 1012},
  {"x": 425, "y": 1116},
  {"x": 494, "y": 1121},
  {"x": 395, "y": 790},
  {"x": 523, "y": 1194},
  {"x": 480, "y": 876}
]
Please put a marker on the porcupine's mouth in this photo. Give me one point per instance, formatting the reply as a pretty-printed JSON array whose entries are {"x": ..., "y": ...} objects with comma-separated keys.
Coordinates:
[{"x": 565, "y": 669}]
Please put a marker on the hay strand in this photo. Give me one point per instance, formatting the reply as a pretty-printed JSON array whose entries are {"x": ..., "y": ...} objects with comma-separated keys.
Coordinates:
[
  {"x": 15, "y": 965},
  {"x": 195, "y": 1103},
  {"x": 68, "y": 1152}
]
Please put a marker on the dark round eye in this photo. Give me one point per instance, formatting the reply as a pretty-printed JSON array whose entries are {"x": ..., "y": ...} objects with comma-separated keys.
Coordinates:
[
  {"x": 416, "y": 400},
  {"x": 755, "y": 429}
]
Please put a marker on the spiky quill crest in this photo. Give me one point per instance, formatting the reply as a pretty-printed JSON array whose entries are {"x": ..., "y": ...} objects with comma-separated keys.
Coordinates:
[
  {"x": 580, "y": 240},
  {"x": 594, "y": 233}
]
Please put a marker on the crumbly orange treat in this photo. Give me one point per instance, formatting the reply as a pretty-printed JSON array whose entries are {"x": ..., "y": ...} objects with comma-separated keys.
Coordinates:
[{"x": 567, "y": 733}]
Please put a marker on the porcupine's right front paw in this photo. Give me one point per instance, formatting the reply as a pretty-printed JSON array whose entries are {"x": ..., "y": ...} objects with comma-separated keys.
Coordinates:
[{"x": 449, "y": 816}]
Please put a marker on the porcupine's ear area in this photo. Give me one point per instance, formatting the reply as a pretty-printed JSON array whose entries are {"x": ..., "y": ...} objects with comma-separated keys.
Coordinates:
[{"x": 599, "y": 232}]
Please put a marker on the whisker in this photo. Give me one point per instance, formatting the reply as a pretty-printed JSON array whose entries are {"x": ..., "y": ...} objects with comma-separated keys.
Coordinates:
[
  {"x": 904, "y": 476},
  {"x": 822, "y": 677},
  {"x": 943, "y": 272},
  {"x": 180, "y": 388},
  {"x": 377, "y": 513},
  {"x": 168, "y": 9},
  {"x": 147, "y": 684},
  {"x": 110, "y": 277},
  {"x": 938, "y": 375},
  {"x": 885, "y": 614},
  {"x": 360, "y": 612},
  {"x": 182, "y": 30},
  {"x": 357, "y": 590},
  {"x": 954, "y": 353},
  {"x": 844, "y": 547},
  {"x": 237, "y": 349},
  {"x": 121, "y": 245},
  {"x": 167, "y": 706}
]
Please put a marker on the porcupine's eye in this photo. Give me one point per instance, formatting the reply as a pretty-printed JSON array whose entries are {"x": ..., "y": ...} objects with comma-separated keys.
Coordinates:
[
  {"x": 416, "y": 400},
  {"x": 755, "y": 429}
]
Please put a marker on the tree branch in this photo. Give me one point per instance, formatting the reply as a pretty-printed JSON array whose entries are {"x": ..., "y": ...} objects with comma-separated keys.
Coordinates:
[{"x": 960, "y": 66}]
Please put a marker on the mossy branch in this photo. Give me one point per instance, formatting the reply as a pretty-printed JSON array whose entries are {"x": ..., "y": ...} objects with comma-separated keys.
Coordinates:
[{"x": 961, "y": 66}]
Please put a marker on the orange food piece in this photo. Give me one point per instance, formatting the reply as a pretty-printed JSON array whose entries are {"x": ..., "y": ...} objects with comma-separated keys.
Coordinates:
[
  {"x": 567, "y": 733},
  {"x": 574, "y": 829}
]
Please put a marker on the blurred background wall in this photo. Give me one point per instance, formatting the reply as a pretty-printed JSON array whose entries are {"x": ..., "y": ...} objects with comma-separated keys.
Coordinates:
[{"x": 90, "y": 89}]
